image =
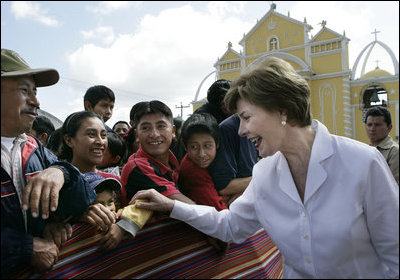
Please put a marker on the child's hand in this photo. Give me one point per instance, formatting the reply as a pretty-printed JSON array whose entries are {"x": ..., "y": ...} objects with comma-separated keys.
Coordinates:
[
  {"x": 99, "y": 216},
  {"x": 113, "y": 237},
  {"x": 231, "y": 198},
  {"x": 221, "y": 246}
]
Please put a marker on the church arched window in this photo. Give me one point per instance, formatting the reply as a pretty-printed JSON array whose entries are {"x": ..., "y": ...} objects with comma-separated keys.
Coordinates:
[{"x": 273, "y": 44}]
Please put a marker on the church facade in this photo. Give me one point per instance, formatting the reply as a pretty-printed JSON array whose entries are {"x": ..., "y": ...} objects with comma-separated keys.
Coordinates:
[{"x": 338, "y": 98}]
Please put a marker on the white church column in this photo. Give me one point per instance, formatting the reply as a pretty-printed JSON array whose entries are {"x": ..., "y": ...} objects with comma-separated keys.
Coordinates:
[{"x": 347, "y": 109}]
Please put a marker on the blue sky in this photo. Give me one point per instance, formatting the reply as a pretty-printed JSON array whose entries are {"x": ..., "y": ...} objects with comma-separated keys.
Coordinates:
[{"x": 149, "y": 50}]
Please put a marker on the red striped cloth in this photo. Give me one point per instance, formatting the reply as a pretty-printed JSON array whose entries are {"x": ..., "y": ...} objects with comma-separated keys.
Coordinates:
[{"x": 164, "y": 249}]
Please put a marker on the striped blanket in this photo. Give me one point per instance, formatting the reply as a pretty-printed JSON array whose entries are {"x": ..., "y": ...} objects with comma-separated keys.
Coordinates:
[{"x": 164, "y": 249}]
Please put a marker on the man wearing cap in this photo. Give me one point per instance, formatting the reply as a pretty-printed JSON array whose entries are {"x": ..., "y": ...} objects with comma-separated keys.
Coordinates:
[{"x": 33, "y": 182}]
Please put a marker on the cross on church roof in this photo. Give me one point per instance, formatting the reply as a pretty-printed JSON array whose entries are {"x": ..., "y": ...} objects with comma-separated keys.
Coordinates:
[
  {"x": 323, "y": 23},
  {"x": 377, "y": 61},
  {"x": 375, "y": 32}
]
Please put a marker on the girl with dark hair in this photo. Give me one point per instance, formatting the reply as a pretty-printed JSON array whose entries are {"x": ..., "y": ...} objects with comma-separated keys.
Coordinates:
[
  {"x": 85, "y": 140},
  {"x": 85, "y": 143}
]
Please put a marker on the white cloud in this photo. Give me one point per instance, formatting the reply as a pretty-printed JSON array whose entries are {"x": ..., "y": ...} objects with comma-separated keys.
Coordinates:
[
  {"x": 33, "y": 11},
  {"x": 170, "y": 53},
  {"x": 107, "y": 7},
  {"x": 224, "y": 8},
  {"x": 103, "y": 33},
  {"x": 165, "y": 59},
  {"x": 358, "y": 20},
  {"x": 340, "y": 16}
]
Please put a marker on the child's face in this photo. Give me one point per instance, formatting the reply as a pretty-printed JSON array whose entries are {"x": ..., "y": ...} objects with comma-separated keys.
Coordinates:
[
  {"x": 121, "y": 129},
  {"x": 108, "y": 159},
  {"x": 201, "y": 149},
  {"x": 155, "y": 132},
  {"x": 104, "y": 108},
  {"x": 107, "y": 199}
]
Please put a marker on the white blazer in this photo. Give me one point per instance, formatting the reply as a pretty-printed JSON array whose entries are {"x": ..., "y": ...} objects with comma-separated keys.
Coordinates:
[{"x": 347, "y": 227}]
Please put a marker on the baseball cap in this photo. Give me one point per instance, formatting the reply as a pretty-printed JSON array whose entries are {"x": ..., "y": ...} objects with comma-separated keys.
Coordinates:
[
  {"x": 95, "y": 180},
  {"x": 13, "y": 65}
]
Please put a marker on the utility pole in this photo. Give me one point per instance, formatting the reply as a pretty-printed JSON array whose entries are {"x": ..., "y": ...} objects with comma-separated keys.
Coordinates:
[{"x": 181, "y": 107}]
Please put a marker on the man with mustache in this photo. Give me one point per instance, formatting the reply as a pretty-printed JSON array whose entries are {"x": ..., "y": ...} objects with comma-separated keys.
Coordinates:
[{"x": 32, "y": 180}]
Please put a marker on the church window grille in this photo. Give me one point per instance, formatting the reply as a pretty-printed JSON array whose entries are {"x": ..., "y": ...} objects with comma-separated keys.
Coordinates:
[{"x": 273, "y": 44}]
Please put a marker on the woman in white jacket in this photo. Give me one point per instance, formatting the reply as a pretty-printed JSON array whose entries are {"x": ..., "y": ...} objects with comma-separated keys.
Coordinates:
[{"x": 330, "y": 203}]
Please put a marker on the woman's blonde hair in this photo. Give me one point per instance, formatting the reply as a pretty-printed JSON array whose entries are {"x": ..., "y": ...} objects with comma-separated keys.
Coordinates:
[{"x": 274, "y": 85}]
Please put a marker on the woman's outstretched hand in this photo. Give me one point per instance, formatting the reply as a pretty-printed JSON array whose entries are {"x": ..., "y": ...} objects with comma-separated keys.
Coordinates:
[{"x": 155, "y": 201}]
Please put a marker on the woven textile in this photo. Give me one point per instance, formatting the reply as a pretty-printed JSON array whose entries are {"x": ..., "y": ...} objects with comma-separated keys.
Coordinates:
[{"x": 164, "y": 249}]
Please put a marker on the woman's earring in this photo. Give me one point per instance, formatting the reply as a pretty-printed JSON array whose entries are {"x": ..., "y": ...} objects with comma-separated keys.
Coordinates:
[{"x": 283, "y": 123}]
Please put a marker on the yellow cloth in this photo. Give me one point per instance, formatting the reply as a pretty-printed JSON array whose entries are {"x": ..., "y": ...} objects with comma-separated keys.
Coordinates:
[{"x": 137, "y": 215}]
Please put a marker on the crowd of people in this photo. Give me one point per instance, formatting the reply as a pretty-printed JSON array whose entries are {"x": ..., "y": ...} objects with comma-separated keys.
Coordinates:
[{"x": 252, "y": 157}]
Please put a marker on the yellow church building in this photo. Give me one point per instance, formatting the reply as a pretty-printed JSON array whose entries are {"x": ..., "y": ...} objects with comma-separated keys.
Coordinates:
[{"x": 339, "y": 99}]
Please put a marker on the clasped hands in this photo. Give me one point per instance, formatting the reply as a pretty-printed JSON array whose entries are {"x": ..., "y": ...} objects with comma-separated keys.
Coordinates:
[
  {"x": 46, "y": 249},
  {"x": 104, "y": 219}
]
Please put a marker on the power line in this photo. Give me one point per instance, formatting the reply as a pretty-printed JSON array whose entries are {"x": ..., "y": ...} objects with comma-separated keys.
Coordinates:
[
  {"x": 114, "y": 89},
  {"x": 181, "y": 107},
  {"x": 124, "y": 92}
]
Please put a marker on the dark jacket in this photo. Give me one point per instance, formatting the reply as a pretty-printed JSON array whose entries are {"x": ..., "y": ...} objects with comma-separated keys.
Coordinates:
[
  {"x": 213, "y": 110},
  {"x": 74, "y": 198}
]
